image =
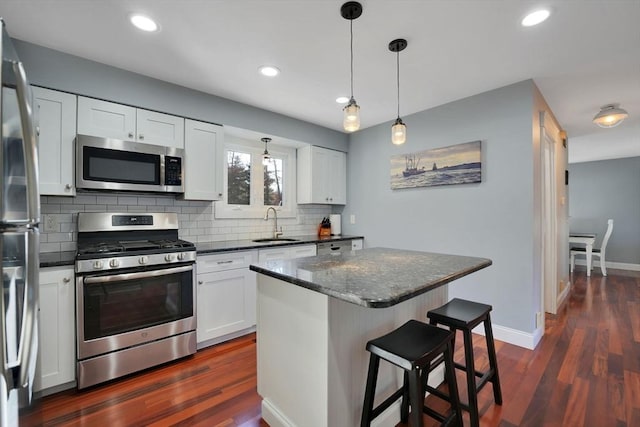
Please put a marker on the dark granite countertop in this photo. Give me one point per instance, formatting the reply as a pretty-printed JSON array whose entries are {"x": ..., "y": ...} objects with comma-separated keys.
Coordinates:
[
  {"x": 375, "y": 277},
  {"x": 56, "y": 259},
  {"x": 237, "y": 245}
]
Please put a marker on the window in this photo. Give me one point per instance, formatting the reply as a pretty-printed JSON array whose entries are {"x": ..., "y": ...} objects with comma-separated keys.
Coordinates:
[{"x": 251, "y": 184}]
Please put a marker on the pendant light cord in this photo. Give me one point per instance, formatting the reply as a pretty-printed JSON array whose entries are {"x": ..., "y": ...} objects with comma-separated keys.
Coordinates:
[
  {"x": 351, "y": 33},
  {"x": 398, "y": 79}
]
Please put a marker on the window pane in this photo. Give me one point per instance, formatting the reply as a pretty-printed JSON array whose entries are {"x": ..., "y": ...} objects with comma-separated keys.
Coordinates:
[
  {"x": 273, "y": 186},
  {"x": 238, "y": 178}
]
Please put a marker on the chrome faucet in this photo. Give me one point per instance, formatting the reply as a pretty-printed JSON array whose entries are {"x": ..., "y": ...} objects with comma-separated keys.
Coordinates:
[{"x": 276, "y": 233}]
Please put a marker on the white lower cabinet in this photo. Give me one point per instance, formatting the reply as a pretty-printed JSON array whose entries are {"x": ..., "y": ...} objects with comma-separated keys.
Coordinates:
[
  {"x": 286, "y": 252},
  {"x": 57, "y": 327},
  {"x": 226, "y": 293}
]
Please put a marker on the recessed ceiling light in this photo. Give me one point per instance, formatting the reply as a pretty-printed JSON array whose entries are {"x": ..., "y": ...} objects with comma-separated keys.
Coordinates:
[
  {"x": 269, "y": 70},
  {"x": 144, "y": 23},
  {"x": 534, "y": 18},
  {"x": 342, "y": 100}
]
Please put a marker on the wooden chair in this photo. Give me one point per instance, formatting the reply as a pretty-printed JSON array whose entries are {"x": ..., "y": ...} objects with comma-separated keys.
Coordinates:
[{"x": 599, "y": 252}]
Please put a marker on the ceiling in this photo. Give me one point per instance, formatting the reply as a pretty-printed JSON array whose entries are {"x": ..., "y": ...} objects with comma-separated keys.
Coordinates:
[{"x": 585, "y": 55}]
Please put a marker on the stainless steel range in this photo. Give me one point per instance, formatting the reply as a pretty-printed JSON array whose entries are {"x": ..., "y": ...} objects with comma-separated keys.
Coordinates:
[{"x": 135, "y": 288}]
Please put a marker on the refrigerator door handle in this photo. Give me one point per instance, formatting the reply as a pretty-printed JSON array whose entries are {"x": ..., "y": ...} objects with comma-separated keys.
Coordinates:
[
  {"x": 30, "y": 143},
  {"x": 28, "y": 350}
]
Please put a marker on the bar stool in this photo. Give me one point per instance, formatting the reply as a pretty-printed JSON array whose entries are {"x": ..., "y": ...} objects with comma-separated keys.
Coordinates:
[
  {"x": 412, "y": 347},
  {"x": 459, "y": 314}
]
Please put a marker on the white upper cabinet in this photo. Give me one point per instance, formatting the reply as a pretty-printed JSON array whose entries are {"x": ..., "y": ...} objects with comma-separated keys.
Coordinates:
[
  {"x": 322, "y": 176},
  {"x": 117, "y": 121},
  {"x": 204, "y": 147},
  {"x": 56, "y": 120},
  {"x": 159, "y": 128}
]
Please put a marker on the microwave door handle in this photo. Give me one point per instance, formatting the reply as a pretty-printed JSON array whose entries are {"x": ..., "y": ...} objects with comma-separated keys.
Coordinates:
[
  {"x": 29, "y": 142},
  {"x": 28, "y": 350}
]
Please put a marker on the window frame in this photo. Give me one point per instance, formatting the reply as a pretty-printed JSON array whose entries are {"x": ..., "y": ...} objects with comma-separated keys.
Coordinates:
[{"x": 257, "y": 208}]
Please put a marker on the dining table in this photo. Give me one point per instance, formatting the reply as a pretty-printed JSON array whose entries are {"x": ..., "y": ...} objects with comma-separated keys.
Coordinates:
[{"x": 586, "y": 239}]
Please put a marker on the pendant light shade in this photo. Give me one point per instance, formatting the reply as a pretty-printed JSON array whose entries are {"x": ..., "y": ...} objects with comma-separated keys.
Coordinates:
[
  {"x": 610, "y": 115},
  {"x": 265, "y": 156},
  {"x": 398, "y": 132},
  {"x": 399, "y": 129},
  {"x": 351, "y": 122}
]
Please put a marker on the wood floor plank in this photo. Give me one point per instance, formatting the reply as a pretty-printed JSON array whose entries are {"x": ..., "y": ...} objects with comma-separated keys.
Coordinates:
[{"x": 584, "y": 372}]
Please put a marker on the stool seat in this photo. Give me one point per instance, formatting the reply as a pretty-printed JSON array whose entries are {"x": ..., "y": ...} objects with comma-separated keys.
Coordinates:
[
  {"x": 460, "y": 313},
  {"x": 412, "y": 347},
  {"x": 463, "y": 315}
]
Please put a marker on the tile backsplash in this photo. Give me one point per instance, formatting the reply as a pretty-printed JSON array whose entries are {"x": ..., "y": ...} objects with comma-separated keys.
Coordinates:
[{"x": 196, "y": 219}]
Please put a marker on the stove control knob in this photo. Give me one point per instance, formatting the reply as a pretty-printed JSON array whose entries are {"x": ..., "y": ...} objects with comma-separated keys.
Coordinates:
[
  {"x": 143, "y": 260},
  {"x": 168, "y": 257},
  {"x": 114, "y": 263},
  {"x": 97, "y": 265},
  {"x": 180, "y": 256}
]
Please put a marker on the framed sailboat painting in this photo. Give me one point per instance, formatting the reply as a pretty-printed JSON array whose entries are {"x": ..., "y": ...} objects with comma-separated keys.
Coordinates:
[{"x": 455, "y": 164}]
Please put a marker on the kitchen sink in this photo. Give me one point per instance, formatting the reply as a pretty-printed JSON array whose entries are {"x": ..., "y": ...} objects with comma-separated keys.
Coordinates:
[{"x": 272, "y": 240}]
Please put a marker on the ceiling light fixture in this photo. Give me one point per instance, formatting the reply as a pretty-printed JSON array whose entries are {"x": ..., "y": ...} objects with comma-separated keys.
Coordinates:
[
  {"x": 535, "y": 18},
  {"x": 399, "y": 129},
  {"x": 266, "y": 156},
  {"x": 144, "y": 23},
  {"x": 269, "y": 70},
  {"x": 610, "y": 115},
  {"x": 351, "y": 122}
]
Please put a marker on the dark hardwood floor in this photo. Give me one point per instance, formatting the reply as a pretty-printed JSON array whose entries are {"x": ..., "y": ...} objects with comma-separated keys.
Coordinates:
[{"x": 585, "y": 372}]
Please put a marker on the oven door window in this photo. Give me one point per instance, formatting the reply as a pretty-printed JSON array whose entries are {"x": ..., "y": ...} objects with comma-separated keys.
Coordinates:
[
  {"x": 106, "y": 165},
  {"x": 116, "y": 307}
]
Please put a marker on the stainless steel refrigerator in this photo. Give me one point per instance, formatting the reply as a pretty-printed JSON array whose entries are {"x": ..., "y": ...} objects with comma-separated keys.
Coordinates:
[{"x": 19, "y": 242}]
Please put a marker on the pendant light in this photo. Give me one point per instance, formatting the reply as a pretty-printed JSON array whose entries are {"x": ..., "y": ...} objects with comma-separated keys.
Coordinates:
[
  {"x": 351, "y": 122},
  {"x": 399, "y": 129},
  {"x": 266, "y": 156},
  {"x": 610, "y": 115}
]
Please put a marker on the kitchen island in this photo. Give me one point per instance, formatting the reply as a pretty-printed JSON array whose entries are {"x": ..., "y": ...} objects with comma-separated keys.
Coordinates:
[{"x": 315, "y": 315}]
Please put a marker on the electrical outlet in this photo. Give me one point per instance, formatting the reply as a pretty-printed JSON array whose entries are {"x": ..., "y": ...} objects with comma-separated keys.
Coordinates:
[
  {"x": 51, "y": 224},
  {"x": 352, "y": 219}
]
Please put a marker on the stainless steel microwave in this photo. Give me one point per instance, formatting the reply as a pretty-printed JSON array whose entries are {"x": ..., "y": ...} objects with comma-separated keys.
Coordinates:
[{"x": 111, "y": 164}]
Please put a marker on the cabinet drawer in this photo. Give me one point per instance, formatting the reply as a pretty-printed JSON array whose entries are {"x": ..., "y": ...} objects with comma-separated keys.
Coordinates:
[{"x": 225, "y": 261}]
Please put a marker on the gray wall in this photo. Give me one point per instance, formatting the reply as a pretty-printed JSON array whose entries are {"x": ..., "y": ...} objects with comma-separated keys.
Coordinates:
[
  {"x": 493, "y": 219},
  {"x": 608, "y": 189},
  {"x": 60, "y": 71}
]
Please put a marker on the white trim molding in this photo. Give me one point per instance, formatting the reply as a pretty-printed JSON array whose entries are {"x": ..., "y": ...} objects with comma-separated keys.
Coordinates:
[
  {"x": 610, "y": 264},
  {"x": 512, "y": 336}
]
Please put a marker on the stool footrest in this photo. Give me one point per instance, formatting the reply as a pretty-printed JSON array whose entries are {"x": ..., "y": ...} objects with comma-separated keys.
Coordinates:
[{"x": 388, "y": 402}]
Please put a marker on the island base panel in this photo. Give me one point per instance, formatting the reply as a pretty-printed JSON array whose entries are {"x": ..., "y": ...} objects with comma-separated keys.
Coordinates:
[{"x": 312, "y": 358}]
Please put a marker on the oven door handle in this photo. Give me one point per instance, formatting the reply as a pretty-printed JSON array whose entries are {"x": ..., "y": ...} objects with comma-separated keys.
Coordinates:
[{"x": 139, "y": 275}]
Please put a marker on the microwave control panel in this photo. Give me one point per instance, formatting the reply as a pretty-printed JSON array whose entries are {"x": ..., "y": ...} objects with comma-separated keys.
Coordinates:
[{"x": 172, "y": 170}]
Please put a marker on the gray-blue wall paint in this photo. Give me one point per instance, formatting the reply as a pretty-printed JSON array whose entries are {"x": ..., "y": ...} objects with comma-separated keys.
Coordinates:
[
  {"x": 608, "y": 189},
  {"x": 493, "y": 219},
  {"x": 61, "y": 71}
]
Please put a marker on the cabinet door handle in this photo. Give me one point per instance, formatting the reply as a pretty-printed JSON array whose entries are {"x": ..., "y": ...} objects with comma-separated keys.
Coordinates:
[
  {"x": 141, "y": 136},
  {"x": 67, "y": 187},
  {"x": 66, "y": 279},
  {"x": 200, "y": 282},
  {"x": 130, "y": 134},
  {"x": 225, "y": 262}
]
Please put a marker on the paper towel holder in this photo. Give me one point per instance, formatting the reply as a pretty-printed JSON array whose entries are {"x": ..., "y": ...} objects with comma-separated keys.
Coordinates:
[{"x": 336, "y": 224}]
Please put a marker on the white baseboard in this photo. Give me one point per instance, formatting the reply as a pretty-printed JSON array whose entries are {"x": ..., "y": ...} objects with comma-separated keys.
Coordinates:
[
  {"x": 609, "y": 264},
  {"x": 228, "y": 337},
  {"x": 512, "y": 336}
]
